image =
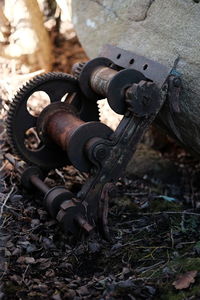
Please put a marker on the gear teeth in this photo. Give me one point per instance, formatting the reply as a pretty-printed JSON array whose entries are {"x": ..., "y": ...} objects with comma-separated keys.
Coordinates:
[
  {"x": 16, "y": 102},
  {"x": 99, "y": 109},
  {"x": 77, "y": 69}
]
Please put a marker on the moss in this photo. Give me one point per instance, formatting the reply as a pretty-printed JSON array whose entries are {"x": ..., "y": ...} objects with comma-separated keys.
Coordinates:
[
  {"x": 126, "y": 203},
  {"x": 11, "y": 288},
  {"x": 172, "y": 294},
  {"x": 163, "y": 205},
  {"x": 186, "y": 264},
  {"x": 179, "y": 266}
]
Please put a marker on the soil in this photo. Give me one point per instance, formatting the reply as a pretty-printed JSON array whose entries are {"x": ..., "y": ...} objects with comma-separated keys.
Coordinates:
[{"x": 154, "y": 229}]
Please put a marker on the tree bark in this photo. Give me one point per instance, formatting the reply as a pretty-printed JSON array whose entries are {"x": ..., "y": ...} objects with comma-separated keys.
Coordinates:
[
  {"x": 4, "y": 24},
  {"x": 44, "y": 45},
  {"x": 29, "y": 41}
]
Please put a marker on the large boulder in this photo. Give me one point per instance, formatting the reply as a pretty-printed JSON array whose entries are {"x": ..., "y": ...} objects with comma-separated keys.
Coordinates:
[{"x": 160, "y": 30}]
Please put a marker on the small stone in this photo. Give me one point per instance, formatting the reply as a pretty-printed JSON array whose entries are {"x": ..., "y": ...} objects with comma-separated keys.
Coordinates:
[
  {"x": 17, "y": 251},
  {"x": 31, "y": 248},
  {"x": 56, "y": 297},
  {"x": 94, "y": 247},
  {"x": 151, "y": 289},
  {"x": 126, "y": 284},
  {"x": 70, "y": 294},
  {"x": 30, "y": 260},
  {"x": 83, "y": 291},
  {"x": 35, "y": 222},
  {"x": 48, "y": 243}
]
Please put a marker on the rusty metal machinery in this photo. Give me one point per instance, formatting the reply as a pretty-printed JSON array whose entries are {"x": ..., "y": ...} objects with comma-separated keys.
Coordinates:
[{"x": 70, "y": 131}]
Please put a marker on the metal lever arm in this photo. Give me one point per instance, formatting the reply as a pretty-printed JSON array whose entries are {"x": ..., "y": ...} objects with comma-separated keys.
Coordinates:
[{"x": 111, "y": 157}]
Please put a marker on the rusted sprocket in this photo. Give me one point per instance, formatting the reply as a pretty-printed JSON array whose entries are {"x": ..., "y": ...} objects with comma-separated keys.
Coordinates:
[{"x": 19, "y": 120}]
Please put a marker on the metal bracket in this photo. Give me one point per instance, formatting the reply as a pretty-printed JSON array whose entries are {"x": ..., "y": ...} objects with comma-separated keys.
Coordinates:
[{"x": 129, "y": 60}]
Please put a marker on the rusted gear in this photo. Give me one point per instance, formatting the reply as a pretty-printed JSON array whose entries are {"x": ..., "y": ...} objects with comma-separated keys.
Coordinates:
[
  {"x": 77, "y": 68},
  {"x": 143, "y": 98},
  {"x": 19, "y": 120},
  {"x": 76, "y": 71}
]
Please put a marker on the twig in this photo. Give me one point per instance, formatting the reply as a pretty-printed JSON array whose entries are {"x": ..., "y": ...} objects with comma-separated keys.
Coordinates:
[
  {"x": 135, "y": 194},
  {"x": 5, "y": 201},
  {"x": 169, "y": 213},
  {"x": 182, "y": 222},
  {"x": 24, "y": 274},
  {"x": 4, "y": 222},
  {"x": 172, "y": 237},
  {"x": 137, "y": 229},
  {"x": 3, "y": 273},
  {"x": 2, "y": 134},
  {"x": 153, "y": 266},
  {"x": 187, "y": 243},
  {"x": 148, "y": 255},
  {"x": 192, "y": 192},
  {"x": 4, "y": 165},
  {"x": 59, "y": 173}
]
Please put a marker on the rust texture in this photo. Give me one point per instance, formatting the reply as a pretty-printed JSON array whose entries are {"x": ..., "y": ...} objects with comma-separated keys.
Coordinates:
[
  {"x": 100, "y": 80},
  {"x": 61, "y": 126}
]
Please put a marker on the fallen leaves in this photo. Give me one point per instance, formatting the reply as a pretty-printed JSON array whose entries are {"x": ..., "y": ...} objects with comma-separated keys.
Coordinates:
[
  {"x": 184, "y": 280},
  {"x": 27, "y": 260}
]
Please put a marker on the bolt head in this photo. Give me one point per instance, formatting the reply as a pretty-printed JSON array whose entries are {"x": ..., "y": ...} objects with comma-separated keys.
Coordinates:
[{"x": 100, "y": 152}]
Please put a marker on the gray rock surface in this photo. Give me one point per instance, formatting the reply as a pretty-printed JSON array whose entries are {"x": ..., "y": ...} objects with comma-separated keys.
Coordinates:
[{"x": 160, "y": 30}]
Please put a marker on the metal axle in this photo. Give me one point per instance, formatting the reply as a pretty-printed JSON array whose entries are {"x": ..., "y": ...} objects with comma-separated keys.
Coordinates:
[{"x": 54, "y": 198}]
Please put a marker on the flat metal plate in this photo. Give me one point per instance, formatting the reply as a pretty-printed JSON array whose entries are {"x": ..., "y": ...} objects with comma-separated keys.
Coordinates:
[{"x": 129, "y": 60}]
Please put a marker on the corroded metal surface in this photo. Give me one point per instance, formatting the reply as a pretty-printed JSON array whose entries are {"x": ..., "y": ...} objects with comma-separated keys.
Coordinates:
[{"x": 138, "y": 94}]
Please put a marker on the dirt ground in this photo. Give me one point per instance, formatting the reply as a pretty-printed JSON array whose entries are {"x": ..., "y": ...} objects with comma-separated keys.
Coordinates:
[{"x": 154, "y": 227}]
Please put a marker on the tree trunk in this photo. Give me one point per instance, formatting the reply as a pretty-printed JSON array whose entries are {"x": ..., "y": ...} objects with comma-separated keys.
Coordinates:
[
  {"x": 29, "y": 41},
  {"x": 44, "y": 45}
]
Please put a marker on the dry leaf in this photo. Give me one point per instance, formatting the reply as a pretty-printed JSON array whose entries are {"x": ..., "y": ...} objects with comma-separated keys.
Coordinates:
[{"x": 184, "y": 280}]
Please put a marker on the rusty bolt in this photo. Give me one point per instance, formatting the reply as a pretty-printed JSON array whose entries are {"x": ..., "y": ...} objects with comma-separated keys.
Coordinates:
[
  {"x": 100, "y": 152},
  {"x": 83, "y": 224}
]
